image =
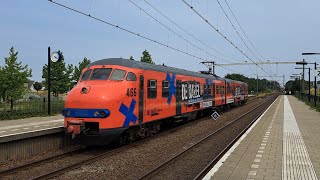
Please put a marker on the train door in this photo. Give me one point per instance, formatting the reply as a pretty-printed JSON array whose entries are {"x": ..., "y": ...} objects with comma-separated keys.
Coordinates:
[
  {"x": 178, "y": 97},
  {"x": 213, "y": 93},
  {"x": 225, "y": 91},
  {"x": 141, "y": 99}
]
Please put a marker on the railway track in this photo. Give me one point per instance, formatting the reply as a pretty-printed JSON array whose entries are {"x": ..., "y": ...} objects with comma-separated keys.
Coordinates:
[
  {"x": 73, "y": 166},
  {"x": 178, "y": 161},
  {"x": 26, "y": 166},
  {"x": 94, "y": 155}
]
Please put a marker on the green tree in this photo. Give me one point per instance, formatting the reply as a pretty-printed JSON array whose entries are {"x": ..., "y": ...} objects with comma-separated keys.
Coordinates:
[
  {"x": 77, "y": 70},
  {"x": 131, "y": 58},
  {"x": 146, "y": 57},
  {"x": 13, "y": 77},
  {"x": 61, "y": 76},
  {"x": 263, "y": 84},
  {"x": 37, "y": 86}
]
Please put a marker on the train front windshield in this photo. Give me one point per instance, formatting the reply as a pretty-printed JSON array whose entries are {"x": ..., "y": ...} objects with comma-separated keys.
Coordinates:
[{"x": 104, "y": 74}]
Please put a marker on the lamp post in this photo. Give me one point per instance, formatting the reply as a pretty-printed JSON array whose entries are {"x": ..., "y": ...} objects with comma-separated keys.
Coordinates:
[
  {"x": 299, "y": 76},
  {"x": 315, "y": 77},
  {"x": 303, "y": 63},
  {"x": 49, "y": 81},
  {"x": 309, "y": 83},
  {"x": 54, "y": 57}
]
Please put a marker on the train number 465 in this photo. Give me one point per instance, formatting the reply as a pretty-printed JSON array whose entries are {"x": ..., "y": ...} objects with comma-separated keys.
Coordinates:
[{"x": 131, "y": 92}]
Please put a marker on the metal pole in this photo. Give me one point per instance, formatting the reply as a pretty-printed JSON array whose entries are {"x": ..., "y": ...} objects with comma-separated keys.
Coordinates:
[
  {"x": 257, "y": 88},
  {"x": 315, "y": 85},
  {"x": 49, "y": 82},
  {"x": 213, "y": 73},
  {"x": 284, "y": 86},
  {"x": 266, "y": 87},
  {"x": 303, "y": 77},
  {"x": 299, "y": 86},
  {"x": 309, "y": 85}
]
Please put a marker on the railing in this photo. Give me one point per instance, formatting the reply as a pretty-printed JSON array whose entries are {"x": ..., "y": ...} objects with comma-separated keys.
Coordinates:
[
  {"x": 305, "y": 98},
  {"x": 28, "y": 108},
  {"x": 312, "y": 97}
]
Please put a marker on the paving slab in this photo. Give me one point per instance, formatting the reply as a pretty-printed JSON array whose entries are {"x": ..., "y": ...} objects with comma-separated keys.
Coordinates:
[
  {"x": 33, "y": 125},
  {"x": 283, "y": 144}
]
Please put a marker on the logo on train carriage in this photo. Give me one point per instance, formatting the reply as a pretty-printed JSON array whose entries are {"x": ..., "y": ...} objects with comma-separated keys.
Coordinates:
[
  {"x": 191, "y": 92},
  {"x": 128, "y": 113},
  {"x": 172, "y": 87}
]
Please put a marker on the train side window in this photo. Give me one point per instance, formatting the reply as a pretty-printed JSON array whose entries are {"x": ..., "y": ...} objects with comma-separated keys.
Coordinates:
[
  {"x": 101, "y": 74},
  {"x": 131, "y": 77},
  {"x": 165, "y": 89},
  {"x": 86, "y": 75},
  {"x": 152, "y": 89},
  {"x": 117, "y": 75},
  {"x": 218, "y": 90}
]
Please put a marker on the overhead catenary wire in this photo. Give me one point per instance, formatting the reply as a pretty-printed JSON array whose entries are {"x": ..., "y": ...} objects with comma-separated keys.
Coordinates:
[
  {"x": 169, "y": 29},
  {"x": 225, "y": 13},
  {"x": 220, "y": 33},
  {"x": 245, "y": 34},
  {"x": 128, "y": 31},
  {"x": 186, "y": 31}
]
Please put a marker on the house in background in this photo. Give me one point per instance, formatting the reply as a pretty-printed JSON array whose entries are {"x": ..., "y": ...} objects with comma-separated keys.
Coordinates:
[
  {"x": 317, "y": 85},
  {"x": 30, "y": 86}
]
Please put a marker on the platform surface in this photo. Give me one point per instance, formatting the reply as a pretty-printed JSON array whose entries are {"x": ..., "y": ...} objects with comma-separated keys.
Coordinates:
[
  {"x": 29, "y": 125},
  {"x": 283, "y": 144}
]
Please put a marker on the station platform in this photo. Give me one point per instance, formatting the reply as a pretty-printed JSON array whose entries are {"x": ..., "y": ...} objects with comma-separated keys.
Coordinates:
[
  {"x": 283, "y": 143},
  {"x": 29, "y": 127}
]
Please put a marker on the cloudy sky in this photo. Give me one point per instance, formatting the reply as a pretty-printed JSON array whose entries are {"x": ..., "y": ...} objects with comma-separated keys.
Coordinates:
[{"x": 279, "y": 31}]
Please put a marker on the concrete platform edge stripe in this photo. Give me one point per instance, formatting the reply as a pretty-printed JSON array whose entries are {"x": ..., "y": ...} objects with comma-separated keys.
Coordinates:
[
  {"x": 225, "y": 157},
  {"x": 31, "y": 124},
  {"x": 26, "y": 132},
  {"x": 296, "y": 162}
]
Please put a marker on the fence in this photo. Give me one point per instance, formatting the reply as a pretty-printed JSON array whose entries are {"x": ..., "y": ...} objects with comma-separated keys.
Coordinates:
[
  {"x": 28, "y": 108},
  {"x": 305, "y": 98},
  {"x": 312, "y": 97}
]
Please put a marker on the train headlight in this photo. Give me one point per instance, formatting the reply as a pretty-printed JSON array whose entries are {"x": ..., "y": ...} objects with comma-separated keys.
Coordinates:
[
  {"x": 104, "y": 113},
  {"x": 66, "y": 113},
  {"x": 96, "y": 114},
  {"x": 84, "y": 90}
]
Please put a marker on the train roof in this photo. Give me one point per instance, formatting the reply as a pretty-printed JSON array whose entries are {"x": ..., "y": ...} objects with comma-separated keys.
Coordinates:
[
  {"x": 240, "y": 82},
  {"x": 146, "y": 66}
]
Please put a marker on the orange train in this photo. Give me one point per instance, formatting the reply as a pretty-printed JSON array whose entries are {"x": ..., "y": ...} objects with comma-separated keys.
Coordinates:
[{"x": 125, "y": 99}]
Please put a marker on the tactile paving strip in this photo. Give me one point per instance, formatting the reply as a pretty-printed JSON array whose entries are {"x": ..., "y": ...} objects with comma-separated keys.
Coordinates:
[{"x": 296, "y": 161}]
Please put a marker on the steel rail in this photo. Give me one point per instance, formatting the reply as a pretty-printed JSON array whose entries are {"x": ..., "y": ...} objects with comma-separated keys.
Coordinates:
[
  {"x": 220, "y": 155},
  {"x": 62, "y": 170},
  {"x": 22, "y": 167},
  {"x": 156, "y": 169},
  {"x": 89, "y": 160}
]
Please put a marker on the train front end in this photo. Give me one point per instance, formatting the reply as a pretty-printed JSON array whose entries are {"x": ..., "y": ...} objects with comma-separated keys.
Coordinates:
[{"x": 91, "y": 111}]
